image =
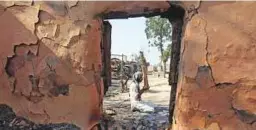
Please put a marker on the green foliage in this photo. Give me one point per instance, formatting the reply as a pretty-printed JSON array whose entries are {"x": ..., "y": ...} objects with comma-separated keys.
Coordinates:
[
  {"x": 167, "y": 53},
  {"x": 142, "y": 58},
  {"x": 158, "y": 31}
]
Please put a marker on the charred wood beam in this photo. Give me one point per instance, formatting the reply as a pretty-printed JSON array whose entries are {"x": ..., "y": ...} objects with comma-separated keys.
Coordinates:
[
  {"x": 106, "y": 55},
  {"x": 175, "y": 14},
  {"x": 125, "y": 15}
]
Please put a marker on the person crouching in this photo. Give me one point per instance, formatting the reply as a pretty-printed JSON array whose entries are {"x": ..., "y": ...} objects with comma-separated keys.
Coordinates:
[{"x": 135, "y": 95}]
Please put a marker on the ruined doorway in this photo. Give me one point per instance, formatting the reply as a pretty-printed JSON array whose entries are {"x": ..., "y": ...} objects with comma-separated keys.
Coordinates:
[
  {"x": 106, "y": 54},
  {"x": 175, "y": 16}
]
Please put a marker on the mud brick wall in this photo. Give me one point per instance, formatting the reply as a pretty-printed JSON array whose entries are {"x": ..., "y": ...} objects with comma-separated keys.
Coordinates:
[
  {"x": 51, "y": 61},
  {"x": 217, "y": 76}
]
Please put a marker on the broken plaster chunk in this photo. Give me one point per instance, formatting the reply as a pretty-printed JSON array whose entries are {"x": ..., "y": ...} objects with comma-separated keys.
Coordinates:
[
  {"x": 67, "y": 32},
  {"x": 28, "y": 16},
  {"x": 46, "y": 17},
  {"x": 48, "y": 30},
  {"x": 213, "y": 126}
]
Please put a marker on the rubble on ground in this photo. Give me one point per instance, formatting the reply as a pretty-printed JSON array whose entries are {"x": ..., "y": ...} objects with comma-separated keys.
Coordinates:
[{"x": 125, "y": 119}]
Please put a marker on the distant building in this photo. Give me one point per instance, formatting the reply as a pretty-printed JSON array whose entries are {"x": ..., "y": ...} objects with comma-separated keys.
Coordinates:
[{"x": 150, "y": 69}]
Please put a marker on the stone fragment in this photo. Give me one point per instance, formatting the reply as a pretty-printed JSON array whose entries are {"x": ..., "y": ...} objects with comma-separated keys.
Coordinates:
[
  {"x": 162, "y": 121},
  {"x": 139, "y": 127}
]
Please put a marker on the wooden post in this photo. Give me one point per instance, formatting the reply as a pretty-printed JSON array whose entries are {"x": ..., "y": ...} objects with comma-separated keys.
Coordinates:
[
  {"x": 106, "y": 55},
  {"x": 176, "y": 20},
  {"x": 122, "y": 75}
]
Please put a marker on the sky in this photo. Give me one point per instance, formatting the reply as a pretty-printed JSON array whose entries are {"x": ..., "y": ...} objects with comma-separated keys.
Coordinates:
[{"x": 128, "y": 37}]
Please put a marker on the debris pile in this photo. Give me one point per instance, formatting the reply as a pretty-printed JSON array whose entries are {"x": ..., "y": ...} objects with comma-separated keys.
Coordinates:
[
  {"x": 118, "y": 115},
  {"x": 9, "y": 121}
]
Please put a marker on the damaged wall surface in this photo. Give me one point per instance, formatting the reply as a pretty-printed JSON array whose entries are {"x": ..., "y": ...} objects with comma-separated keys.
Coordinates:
[
  {"x": 216, "y": 88},
  {"x": 51, "y": 62}
]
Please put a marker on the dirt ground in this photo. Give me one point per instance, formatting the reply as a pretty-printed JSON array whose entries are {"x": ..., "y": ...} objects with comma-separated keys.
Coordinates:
[{"x": 120, "y": 117}]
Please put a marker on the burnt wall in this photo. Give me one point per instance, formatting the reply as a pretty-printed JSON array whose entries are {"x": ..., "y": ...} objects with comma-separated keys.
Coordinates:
[
  {"x": 51, "y": 62},
  {"x": 216, "y": 88}
]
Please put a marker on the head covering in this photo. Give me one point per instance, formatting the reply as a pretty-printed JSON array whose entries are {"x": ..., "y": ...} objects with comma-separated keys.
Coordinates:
[{"x": 137, "y": 77}]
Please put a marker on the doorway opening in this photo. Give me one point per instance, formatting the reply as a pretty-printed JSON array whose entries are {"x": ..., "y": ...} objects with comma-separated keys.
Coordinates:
[{"x": 119, "y": 66}]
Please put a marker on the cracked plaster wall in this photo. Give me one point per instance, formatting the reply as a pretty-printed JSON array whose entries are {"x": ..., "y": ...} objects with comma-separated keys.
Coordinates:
[
  {"x": 51, "y": 60},
  {"x": 216, "y": 89},
  {"x": 50, "y": 65}
]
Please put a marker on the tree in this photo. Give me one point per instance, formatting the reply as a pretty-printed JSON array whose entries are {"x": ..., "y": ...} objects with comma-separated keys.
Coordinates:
[
  {"x": 167, "y": 53},
  {"x": 144, "y": 69},
  {"x": 166, "y": 56},
  {"x": 158, "y": 31}
]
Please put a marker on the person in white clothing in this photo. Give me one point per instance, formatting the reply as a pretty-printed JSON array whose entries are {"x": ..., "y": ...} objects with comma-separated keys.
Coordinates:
[{"x": 135, "y": 95}]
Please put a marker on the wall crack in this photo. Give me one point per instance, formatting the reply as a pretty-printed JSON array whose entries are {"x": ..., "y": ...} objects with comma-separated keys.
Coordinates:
[
  {"x": 192, "y": 11},
  {"x": 207, "y": 52},
  {"x": 207, "y": 57}
]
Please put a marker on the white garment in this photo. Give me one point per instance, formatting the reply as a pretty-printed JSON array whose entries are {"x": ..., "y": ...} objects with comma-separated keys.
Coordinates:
[
  {"x": 136, "y": 104},
  {"x": 134, "y": 91}
]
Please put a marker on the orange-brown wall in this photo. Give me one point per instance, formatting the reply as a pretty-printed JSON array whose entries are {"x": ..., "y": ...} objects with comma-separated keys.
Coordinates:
[
  {"x": 58, "y": 44},
  {"x": 216, "y": 88}
]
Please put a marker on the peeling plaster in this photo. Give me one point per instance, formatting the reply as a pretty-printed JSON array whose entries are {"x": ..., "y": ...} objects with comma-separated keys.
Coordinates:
[
  {"x": 65, "y": 37},
  {"x": 72, "y": 3},
  {"x": 26, "y": 15},
  {"x": 192, "y": 10},
  {"x": 207, "y": 52},
  {"x": 245, "y": 116},
  {"x": 190, "y": 88}
]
